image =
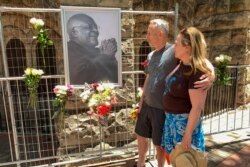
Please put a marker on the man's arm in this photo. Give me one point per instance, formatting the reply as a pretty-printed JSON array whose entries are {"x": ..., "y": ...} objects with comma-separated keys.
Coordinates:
[
  {"x": 142, "y": 97},
  {"x": 206, "y": 79}
]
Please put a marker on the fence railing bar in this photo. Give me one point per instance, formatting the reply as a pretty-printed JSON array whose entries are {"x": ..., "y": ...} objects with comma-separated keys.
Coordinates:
[
  {"x": 16, "y": 9},
  {"x": 50, "y": 120},
  {"x": 170, "y": 13},
  {"x": 21, "y": 78},
  {"x": 22, "y": 120},
  {"x": 7, "y": 122}
]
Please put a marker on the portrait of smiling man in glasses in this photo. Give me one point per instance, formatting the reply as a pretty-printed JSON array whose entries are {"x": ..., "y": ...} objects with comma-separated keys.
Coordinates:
[{"x": 88, "y": 61}]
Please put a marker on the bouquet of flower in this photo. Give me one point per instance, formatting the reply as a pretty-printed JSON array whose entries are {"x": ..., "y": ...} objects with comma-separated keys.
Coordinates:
[
  {"x": 42, "y": 36},
  {"x": 32, "y": 78},
  {"x": 99, "y": 97},
  {"x": 135, "y": 107},
  {"x": 223, "y": 77},
  {"x": 62, "y": 92}
]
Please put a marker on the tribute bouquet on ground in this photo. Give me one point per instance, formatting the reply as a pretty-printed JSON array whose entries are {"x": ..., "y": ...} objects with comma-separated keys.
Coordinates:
[
  {"x": 32, "y": 78},
  {"x": 62, "y": 93},
  {"x": 223, "y": 77},
  {"x": 99, "y": 97},
  {"x": 42, "y": 36}
]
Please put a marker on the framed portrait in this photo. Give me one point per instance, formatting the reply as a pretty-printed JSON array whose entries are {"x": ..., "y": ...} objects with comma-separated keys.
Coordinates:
[{"x": 91, "y": 45}]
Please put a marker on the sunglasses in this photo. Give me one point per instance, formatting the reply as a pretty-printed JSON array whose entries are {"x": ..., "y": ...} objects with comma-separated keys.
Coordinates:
[{"x": 186, "y": 37}]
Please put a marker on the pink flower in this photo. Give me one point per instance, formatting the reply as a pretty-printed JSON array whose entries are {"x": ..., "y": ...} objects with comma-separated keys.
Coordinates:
[
  {"x": 55, "y": 90},
  {"x": 70, "y": 90}
]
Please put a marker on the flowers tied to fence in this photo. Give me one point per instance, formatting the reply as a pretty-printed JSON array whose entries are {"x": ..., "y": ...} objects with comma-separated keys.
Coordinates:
[
  {"x": 42, "y": 36},
  {"x": 223, "y": 77},
  {"x": 135, "y": 107},
  {"x": 62, "y": 93},
  {"x": 99, "y": 97},
  {"x": 32, "y": 78}
]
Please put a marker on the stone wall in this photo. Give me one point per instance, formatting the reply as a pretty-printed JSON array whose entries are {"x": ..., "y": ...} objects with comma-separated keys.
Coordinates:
[{"x": 226, "y": 26}]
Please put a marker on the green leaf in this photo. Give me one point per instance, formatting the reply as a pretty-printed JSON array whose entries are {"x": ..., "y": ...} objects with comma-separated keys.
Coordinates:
[
  {"x": 56, "y": 113},
  {"x": 50, "y": 42}
]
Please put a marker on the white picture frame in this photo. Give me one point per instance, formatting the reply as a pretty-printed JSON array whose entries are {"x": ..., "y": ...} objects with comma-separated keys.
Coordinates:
[{"x": 108, "y": 19}]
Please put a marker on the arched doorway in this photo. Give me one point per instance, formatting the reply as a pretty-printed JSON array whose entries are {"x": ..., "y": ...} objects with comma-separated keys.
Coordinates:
[
  {"x": 47, "y": 63},
  {"x": 16, "y": 60}
]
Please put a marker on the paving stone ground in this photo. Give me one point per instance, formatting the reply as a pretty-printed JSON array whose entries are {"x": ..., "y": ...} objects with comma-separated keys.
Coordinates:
[{"x": 229, "y": 149}]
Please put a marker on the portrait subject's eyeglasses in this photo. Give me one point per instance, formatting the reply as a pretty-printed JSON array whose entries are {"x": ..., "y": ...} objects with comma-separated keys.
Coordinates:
[{"x": 88, "y": 27}]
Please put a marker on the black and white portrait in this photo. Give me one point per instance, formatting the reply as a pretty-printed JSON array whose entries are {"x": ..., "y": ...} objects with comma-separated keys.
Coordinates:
[{"x": 91, "y": 45}]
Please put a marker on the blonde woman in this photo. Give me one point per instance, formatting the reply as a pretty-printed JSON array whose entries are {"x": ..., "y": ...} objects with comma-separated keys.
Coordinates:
[{"x": 183, "y": 103}]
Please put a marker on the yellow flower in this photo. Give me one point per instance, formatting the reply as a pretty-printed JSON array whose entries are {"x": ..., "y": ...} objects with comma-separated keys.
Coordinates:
[
  {"x": 36, "y": 22},
  {"x": 33, "y": 21},
  {"x": 42, "y": 36},
  {"x": 28, "y": 71},
  {"x": 32, "y": 78},
  {"x": 133, "y": 114},
  {"x": 223, "y": 77}
]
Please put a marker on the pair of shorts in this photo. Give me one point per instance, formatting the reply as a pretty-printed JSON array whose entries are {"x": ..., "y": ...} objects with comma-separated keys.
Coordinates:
[
  {"x": 174, "y": 128},
  {"x": 150, "y": 123}
]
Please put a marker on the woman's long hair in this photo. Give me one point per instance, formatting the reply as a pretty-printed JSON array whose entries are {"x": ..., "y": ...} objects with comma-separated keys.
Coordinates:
[{"x": 194, "y": 38}]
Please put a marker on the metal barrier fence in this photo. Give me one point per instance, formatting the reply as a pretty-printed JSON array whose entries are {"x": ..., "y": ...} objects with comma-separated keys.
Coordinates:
[
  {"x": 30, "y": 137},
  {"x": 226, "y": 107}
]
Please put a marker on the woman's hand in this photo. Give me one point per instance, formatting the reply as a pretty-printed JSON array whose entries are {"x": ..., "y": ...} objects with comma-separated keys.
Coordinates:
[{"x": 186, "y": 141}]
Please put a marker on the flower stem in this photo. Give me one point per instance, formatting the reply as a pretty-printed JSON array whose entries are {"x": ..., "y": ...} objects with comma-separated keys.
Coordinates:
[
  {"x": 33, "y": 98},
  {"x": 42, "y": 51}
]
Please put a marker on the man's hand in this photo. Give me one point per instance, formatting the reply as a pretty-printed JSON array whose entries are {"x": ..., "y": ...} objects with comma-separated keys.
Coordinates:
[
  {"x": 108, "y": 47},
  {"x": 206, "y": 82},
  {"x": 206, "y": 79},
  {"x": 140, "y": 105}
]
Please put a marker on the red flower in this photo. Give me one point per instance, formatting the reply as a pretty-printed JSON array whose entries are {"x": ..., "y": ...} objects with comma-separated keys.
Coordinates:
[
  {"x": 145, "y": 63},
  {"x": 103, "y": 109},
  {"x": 95, "y": 85}
]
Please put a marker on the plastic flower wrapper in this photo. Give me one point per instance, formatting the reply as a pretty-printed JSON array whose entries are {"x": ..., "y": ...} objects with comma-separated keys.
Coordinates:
[
  {"x": 223, "y": 77},
  {"x": 32, "y": 78},
  {"x": 135, "y": 107},
  {"x": 42, "y": 36},
  {"x": 62, "y": 93},
  {"x": 99, "y": 97}
]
